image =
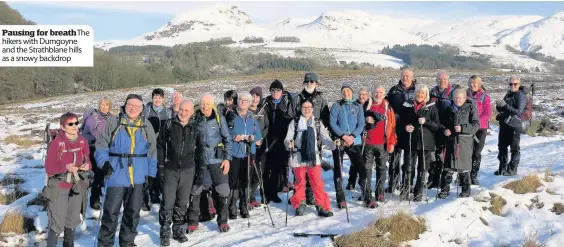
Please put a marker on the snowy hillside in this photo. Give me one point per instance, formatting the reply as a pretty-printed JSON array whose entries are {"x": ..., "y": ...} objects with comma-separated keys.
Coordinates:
[
  {"x": 450, "y": 222},
  {"x": 356, "y": 30}
]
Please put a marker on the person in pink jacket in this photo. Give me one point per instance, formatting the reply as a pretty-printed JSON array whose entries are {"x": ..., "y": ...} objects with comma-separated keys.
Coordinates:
[
  {"x": 480, "y": 96},
  {"x": 67, "y": 184}
]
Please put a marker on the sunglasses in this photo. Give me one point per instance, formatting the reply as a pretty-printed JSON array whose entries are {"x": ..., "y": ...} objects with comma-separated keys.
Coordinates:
[
  {"x": 310, "y": 82},
  {"x": 73, "y": 124},
  {"x": 513, "y": 84}
]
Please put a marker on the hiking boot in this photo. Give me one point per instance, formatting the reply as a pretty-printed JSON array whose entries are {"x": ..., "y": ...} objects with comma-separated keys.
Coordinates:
[
  {"x": 418, "y": 197},
  {"x": 381, "y": 198},
  {"x": 445, "y": 192},
  {"x": 191, "y": 228},
  {"x": 254, "y": 204},
  {"x": 244, "y": 212},
  {"x": 324, "y": 213},
  {"x": 224, "y": 227},
  {"x": 96, "y": 205},
  {"x": 145, "y": 207},
  {"x": 300, "y": 211},
  {"x": 350, "y": 186},
  {"x": 181, "y": 238},
  {"x": 165, "y": 241},
  {"x": 474, "y": 180},
  {"x": 342, "y": 205},
  {"x": 371, "y": 204}
]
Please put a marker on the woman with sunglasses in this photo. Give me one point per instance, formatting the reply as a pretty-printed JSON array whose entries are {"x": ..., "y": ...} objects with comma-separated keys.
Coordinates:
[
  {"x": 510, "y": 110},
  {"x": 66, "y": 189}
]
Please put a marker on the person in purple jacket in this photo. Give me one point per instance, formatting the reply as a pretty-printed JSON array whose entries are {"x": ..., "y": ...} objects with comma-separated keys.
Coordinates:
[
  {"x": 481, "y": 98},
  {"x": 93, "y": 123}
]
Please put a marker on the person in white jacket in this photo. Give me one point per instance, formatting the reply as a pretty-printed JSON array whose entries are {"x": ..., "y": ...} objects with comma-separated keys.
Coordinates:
[{"x": 305, "y": 140}]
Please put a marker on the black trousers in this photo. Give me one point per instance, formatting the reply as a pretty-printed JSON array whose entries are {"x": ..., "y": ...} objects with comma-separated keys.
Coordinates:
[
  {"x": 375, "y": 157},
  {"x": 257, "y": 170},
  {"x": 177, "y": 186},
  {"x": 357, "y": 160},
  {"x": 509, "y": 136},
  {"x": 394, "y": 169},
  {"x": 98, "y": 181},
  {"x": 477, "y": 151},
  {"x": 220, "y": 183},
  {"x": 131, "y": 198},
  {"x": 275, "y": 174}
]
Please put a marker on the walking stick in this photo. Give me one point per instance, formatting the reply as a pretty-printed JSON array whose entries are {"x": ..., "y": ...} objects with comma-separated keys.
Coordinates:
[
  {"x": 261, "y": 187},
  {"x": 99, "y": 223},
  {"x": 288, "y": 177},
  {"x": 424, "y": 165},
  {"x": 340, "y": 150},
  {"x": 247, "y": 191}
]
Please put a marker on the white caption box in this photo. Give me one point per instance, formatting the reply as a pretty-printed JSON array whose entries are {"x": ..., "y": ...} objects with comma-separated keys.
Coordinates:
[{"x": 46, "y": 46}]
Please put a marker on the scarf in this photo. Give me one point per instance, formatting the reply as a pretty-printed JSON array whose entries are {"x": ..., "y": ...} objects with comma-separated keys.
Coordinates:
[
  {"x": 158, "y": 109},
  {"x": 418, "y": 106},
  {"x": 307, "y": 149}
]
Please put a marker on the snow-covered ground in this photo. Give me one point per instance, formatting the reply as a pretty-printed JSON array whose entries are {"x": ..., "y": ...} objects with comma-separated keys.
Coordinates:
[{"x": 447, "y": 220}]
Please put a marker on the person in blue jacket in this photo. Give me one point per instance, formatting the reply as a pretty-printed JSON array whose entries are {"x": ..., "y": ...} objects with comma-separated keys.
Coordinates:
[
  {"x": 346, "y": 124},
  {"x": 245, "y": 132},
  {"x": 127, "y": 155}
]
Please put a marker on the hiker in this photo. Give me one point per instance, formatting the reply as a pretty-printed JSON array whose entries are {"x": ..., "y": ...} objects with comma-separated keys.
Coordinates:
[
  {"x": 365, "y": 100},
  {"x": 176, "y": 99},
  {"x": 481, "y": 98},
  {"x": 93, "y": 122},
  {"x": 347, "y": 124},
  {"x": 157, "y": 114},
  {"x": 460, "y": 124},
  {"x": 420, "y": 124},
  {"x": 306, "y": 136},
  {"x": 126, "y": 153},
  {"x": 67, "y": 159},
  {"x": 320, "y": 112},
  {"x": 218, "y": 156},
  {"x": 511, "y": 110},
  {"x": 398, "y": 95},
  {"x": 442, "y": 95},
  {"x": 230, "y": 102},
  {"x": 381, "y": 139},
  {"x": 258, "y": 108},
  {"x": 244, "y": 130},
  {"x": 276, "y": 106},
  {"x": 180, "y": 147}
]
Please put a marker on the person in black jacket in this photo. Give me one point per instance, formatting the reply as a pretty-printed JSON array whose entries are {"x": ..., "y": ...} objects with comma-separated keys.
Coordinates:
[
  {"x": 510, "y": 110},
  {"x": 276, "y": 107},
  {"x": 460, "y": 125},
  {"x": 399, "y": 96},
  {"x": 180, "y": 148},
  {"x": 419, "y": 125},
  {"x": 365, "y": 100}
]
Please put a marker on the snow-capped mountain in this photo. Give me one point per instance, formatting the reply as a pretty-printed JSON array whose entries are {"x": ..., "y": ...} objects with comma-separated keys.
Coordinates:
[
  {"x": 545, "y": 36},
  {"x": 358, "y": 31}
]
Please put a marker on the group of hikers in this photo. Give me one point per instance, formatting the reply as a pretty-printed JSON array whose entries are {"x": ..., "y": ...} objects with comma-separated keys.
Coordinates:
[{"x": 204, "y": 160}]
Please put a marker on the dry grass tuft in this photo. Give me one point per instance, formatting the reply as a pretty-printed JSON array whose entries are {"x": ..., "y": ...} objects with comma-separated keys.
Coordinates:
[
  {"x": 527, "y": 184},
  {"x": 13, "y": 222},
  {"x": 551, "y": 192},
  {"x": 6, "y": 199},
  {"x": 497, "y": 203},
  {"x": 531, "y": 241},
  {"x": 558, "y": 208},
  {"x": 386, "y": 232},
  {"x": 548, "y": 176},
  {"x": 22, "y": 141},
  {"x": 11, "y": 179}
]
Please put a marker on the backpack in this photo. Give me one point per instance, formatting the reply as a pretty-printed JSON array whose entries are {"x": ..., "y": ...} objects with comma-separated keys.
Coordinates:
[
  {"x": 86, "y": 115},
  {"x": 528, "y": 112},
  {"x": 50, "y": 134},
  {"x": 121, "y": 125}
]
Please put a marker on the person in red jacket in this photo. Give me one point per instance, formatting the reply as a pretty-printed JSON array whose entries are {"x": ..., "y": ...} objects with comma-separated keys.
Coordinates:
[
  {"x": 380, "y": 140},
  {"x": 67, "y": 185}
]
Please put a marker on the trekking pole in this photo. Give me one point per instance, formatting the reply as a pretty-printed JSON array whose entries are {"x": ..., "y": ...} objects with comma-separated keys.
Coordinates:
[
  {"x": 364, "y": 139},
  {"x": 409, "y": 171},
  {"x": 288, "y": 177},
  {"x": 261, "y": 187},
  {"x": 342, "y": 185},
  {"x": 99, "y": 223},
  {"x": 247, "y": 191},
  {"x": 424, "y": 178}
]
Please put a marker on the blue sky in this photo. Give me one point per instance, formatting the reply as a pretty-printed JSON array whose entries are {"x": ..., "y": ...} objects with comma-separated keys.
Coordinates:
[{"x": 125, "y": 20}]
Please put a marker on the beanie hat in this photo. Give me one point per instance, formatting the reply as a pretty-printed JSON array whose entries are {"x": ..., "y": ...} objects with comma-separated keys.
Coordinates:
[
  {"x": 346, "y": 85},
  {"x": 310, "y": 76},
  {"x": 257, "y": 90},
  {"x": 276, "y": 84}
]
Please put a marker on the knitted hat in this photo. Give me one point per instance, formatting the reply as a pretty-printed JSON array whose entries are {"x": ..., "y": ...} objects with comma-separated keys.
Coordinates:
[
  {"x": 257, "y": 90},
  {"x": 310, "y": 76},
  {"x": 346, "y": 85},
  {"x": 276, "y": 84}
]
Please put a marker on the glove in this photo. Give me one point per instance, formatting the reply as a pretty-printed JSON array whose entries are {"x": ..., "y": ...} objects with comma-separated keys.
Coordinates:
[
  {"x": 199, "y": 180},
  {"x": 326, "y": 166},
  {"x": 501, "y": 103},
  {"x": 107, "y": 169},
  {"x": 379, "y": 117}
]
